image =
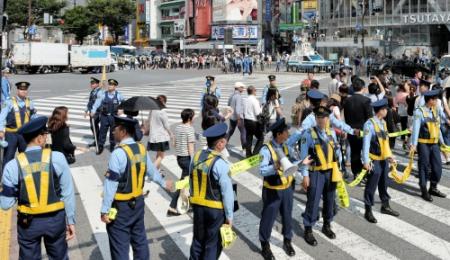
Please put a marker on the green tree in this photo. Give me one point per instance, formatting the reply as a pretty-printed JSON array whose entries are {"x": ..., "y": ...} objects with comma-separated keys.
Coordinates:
[
  {"x": 79, "y": 22},
  {"x": 17, "y": 10},
  {"x": 116, "y": 14}
]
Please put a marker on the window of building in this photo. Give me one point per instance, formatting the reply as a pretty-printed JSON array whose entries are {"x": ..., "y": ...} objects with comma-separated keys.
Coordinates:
[
  {"x": 423, "y": 6},
  {"x": 166, "y": 31},
  {"x": 165, "y": 12}
]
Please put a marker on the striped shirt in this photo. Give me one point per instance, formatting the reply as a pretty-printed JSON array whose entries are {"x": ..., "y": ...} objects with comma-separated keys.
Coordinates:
[{"x": 184, "y": 134}]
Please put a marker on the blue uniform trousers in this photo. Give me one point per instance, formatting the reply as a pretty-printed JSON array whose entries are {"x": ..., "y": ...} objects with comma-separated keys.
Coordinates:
[
  {"x": 429, "y": 155},
  {"x": 377, "y": 177},
  {"x": 320, "y": 186},
  {"x": 15, "y": 142},
  {"x": 49, "y": 227},
  {"x": 106, "y": 122},
  {"x": 275, "y": 201},
  {"x": 206, "y": 242},
  {"x": 128, "y": 228}
]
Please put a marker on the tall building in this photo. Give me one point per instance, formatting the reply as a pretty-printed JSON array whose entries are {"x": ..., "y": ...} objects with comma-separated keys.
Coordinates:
[{"x": 389, "y": 26}]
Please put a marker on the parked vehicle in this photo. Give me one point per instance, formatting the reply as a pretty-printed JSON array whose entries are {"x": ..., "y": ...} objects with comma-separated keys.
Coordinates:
[
  {"x": 42, "y": 57},
  {"x": 305, "y": 63},
  {"x": 91, "y": 58}
]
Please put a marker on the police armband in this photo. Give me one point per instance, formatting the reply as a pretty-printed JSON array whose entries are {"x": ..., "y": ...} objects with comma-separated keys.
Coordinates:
[
  {"x": 112, "y": 175},
  {"x": 8, "y": 191}
]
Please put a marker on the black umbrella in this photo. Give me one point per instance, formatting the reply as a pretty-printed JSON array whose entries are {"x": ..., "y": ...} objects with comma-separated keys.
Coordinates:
[{"x": 141, "y": 103}]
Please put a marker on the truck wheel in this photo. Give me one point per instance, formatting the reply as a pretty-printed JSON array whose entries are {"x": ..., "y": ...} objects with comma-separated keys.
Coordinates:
[
  {"x": 316, "y": 69},
  {"x": 44, "y": 70}
]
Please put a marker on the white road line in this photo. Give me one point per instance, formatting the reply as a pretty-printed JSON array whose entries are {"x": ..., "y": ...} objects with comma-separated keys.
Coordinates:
[
  {"x": 245, "y": 221},
  {"x": 414, "y": 183},
  {"x": 420, "y": 206},
  {"x": 346, "y": 240},
  {"x": 427, "y": 242},
  {"x": 90, "y": 188}
]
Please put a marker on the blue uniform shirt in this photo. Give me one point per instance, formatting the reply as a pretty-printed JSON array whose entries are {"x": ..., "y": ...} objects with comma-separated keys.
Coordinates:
[
  {"x": 264, "y": 96},
  {"x": 369, "y": 131},
  {"x": 7, "y": 106},
  {"x": 6, "y": 90},
  {"x": 310, "y": 122},
  {"x": 418, "y": 120},
  {"x": 100, "y": 93},
  {"x": 11, "y": 181},
  {"x": 117, "y": 164},
  {"x": 308, "y": 142},
  {"x": 220, "y": 171},
  {"x": 265, "y": 168},
  {"x": 217, "y": 93},
  {"x": 101, "y": 97}
]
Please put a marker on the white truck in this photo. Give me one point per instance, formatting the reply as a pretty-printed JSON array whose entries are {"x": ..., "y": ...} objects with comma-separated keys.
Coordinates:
[
  {"x": 91, "y": 58},
  {"x": 41, "y": 57}
]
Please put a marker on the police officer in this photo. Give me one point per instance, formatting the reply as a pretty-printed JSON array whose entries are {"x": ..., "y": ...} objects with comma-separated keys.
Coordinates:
[
  {"x": 425, "y": 138},
  {"x": 214, "y": 206},
  {"x": 321, "y": 144},
  {"x": 376, "y": 149},
  {"x": 272, "y": 84},
  {"x": 108, "y": 103},
  {"x": 96, "y": 91},
  {"x": 317, "y": 99},
  {"x": 124, "y": 193},
  {"x": 278, "y": 190},
  {"x": 15, "y": 113},
  {"x": 211, "y": 88},
  {"x": 44, "y": 194}
]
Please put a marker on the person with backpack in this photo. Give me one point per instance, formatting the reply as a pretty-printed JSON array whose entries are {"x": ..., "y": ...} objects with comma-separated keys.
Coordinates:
[{"x": 272, "y": 84}]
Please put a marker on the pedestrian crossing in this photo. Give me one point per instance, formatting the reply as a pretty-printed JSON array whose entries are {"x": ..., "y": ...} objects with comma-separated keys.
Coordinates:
[
  {"x": 421, "y": 231},
  {"x": 181, "y": 94}
]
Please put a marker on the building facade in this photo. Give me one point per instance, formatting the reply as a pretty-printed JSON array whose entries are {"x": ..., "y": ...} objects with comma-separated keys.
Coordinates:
[{"x": 390, "y": 27}]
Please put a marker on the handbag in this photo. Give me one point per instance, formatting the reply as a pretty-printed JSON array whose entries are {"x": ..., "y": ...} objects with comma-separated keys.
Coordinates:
[{"x": 70, "y": 158}]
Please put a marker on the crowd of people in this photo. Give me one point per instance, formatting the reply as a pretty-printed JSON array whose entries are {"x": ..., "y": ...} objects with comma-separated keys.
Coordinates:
[{"x": 348, "y": 127}]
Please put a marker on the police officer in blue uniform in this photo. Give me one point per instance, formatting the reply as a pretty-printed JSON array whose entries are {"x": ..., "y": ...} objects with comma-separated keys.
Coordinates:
[
  {"x": 49, "y": 215},
  {"x": 214, "y": 206},
  {"x": 211, "y": 88},
  {"x": 129, "y": 160},
  {"x": 317, "y": 99},
  {"x": 96, "y": 91},
  {"x": 321, "y": 144},
  {"x": 425, "y": 138},
  {"x": 376, "y": 149},
  {"x": 108, "y": 102},
  {"x": 15, "y": 113},
  {"x": 272, "y": 84},
  {"x": 278, "y": 190}
]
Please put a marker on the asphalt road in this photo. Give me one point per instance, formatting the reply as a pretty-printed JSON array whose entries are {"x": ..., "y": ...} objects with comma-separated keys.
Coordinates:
[{"x": 421, "y": 232}]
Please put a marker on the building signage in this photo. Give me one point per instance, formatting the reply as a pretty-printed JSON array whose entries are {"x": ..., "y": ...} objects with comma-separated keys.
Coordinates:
[
  {"x": 245, "y": 32},
  {"x": 426, "y": 18},
  {"x": 268, "y": 16}
]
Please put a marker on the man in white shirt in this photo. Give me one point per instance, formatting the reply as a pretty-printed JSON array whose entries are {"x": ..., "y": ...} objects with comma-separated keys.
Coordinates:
[
  {"x": 252, "y": 109},
  {"x": 237, "y": 119},
  {"x": 334, "y": 84}
]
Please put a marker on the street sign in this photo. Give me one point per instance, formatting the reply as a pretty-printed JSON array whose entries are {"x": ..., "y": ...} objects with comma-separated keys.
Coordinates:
[
  {"x": 181, "y": 44},
  {"x": 291, "y": 27},
  {"x": 227, "y": 46}
]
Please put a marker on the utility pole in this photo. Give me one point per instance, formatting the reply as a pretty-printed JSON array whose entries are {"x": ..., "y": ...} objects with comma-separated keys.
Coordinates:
[
  {"x": 29, "y": 13},
  {"x": 364, "y": 2}
]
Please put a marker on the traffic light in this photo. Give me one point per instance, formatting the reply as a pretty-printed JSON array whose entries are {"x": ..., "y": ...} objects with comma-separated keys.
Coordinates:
[{"x": 228, "y": 37}]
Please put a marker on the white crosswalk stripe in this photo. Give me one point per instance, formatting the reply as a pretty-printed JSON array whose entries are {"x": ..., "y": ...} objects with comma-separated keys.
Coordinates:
[{"x": 349, "y": 243}]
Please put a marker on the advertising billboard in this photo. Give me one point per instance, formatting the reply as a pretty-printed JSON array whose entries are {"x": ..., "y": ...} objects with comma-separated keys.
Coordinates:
[
  {"x": 246, "y": 32},
  {"x": 235, "y": 10}
]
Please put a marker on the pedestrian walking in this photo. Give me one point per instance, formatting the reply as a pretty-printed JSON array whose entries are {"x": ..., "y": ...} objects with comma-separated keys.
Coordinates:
[
  {"x": 236, "y": 102},
  {"x": 60, "y": 133},
  {"x": 253, "y": 128}
]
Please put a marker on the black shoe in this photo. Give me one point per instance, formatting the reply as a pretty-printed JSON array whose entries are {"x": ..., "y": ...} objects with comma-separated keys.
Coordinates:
[
  {"x": 435, "y": 192},
  {"x": 309, "y": 237},
  {"x": 171, "y": 213},
  {"x": 386, "y": 209},
  {"x": 266, "y": 252},
  {"x": 91, "y": 144},
  {"x": 326, "y": 229},
  {"x": 368, "y": 215},
  {"x": 100, "y": 150},
  {"x": 426, "y": 196},
  {"x": 287, "y": 246}
]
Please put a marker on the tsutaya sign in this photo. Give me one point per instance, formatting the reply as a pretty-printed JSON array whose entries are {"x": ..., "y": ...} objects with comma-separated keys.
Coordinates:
[{"x": 426, "y": 18}]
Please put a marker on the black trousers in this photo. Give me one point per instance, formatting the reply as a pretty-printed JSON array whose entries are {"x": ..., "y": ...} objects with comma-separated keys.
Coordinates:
[
  {"x": 356, "y": 145},
  {"x": 253, "y": 128},
  {"x": 183, "y": 163}
]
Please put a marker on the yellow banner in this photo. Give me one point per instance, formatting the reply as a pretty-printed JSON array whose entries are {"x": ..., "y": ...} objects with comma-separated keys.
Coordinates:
[
  {"x": 400, "y": 133},
  {"x": 358, "y": 179},
  {"x": 344, "y": 199},
  {"x": 401, "y": 178},
  {"x": 445, "y": 148},
  {"x": 228, "y": 236}
]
